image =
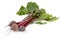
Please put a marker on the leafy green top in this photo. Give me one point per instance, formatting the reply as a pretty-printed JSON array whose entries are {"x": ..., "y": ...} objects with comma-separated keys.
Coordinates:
[
  {"x": 31, "y": 6},
  {"x": 40, "y": 13}
]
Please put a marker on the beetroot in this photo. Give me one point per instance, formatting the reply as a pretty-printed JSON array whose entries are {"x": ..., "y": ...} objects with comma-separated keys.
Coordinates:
[{"x": 21, "y": 25}]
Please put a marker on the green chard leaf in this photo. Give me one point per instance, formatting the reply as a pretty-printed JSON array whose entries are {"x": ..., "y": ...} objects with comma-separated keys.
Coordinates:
[
  {"x": 52, "y": 19},
  {"x": 42, "y": 11},
  {"x": 32, "y": 6},
  {"x": 41, "y": 22},
  {"x": 44, "y": 16},
  {"x": 22, "y": 11}
]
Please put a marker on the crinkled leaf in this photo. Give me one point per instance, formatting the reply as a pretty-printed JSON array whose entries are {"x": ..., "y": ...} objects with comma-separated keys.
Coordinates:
[
  {"x": 41, "y": 22},
  {"x": 45, "y": 16},
  {"x": 42, "y": 11},
  {"x": 22, "y": 11},
  {"x": 52, "y": 19},
  {"x": 32, "y": 6}
]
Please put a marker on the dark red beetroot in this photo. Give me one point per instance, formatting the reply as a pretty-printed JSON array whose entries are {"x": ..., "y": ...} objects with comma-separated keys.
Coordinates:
[
  {"x": 21, "y": 25},
  {"x": 14, "y": 27}
]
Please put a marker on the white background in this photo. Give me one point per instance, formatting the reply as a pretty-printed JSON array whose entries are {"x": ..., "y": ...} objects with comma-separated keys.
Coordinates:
[{"x": 8, "y": 9}]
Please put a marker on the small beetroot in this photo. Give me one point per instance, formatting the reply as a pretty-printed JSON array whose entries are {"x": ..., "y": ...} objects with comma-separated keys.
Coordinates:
[{"x": 12, "y": 22}]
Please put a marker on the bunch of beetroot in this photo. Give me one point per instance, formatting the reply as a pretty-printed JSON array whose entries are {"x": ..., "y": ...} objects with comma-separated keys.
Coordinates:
[{"x": 34, "y": 14}]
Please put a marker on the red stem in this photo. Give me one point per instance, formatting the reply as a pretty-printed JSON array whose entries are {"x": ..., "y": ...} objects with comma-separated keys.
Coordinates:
[{"x": 25, "y": 21}]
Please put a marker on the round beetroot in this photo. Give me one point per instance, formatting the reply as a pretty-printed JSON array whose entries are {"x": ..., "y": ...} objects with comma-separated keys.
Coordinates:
[
  {"x": 21, "y": 28},
  {"x": 12, "y": 22},
  {"x": 14, "y": 27}
]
